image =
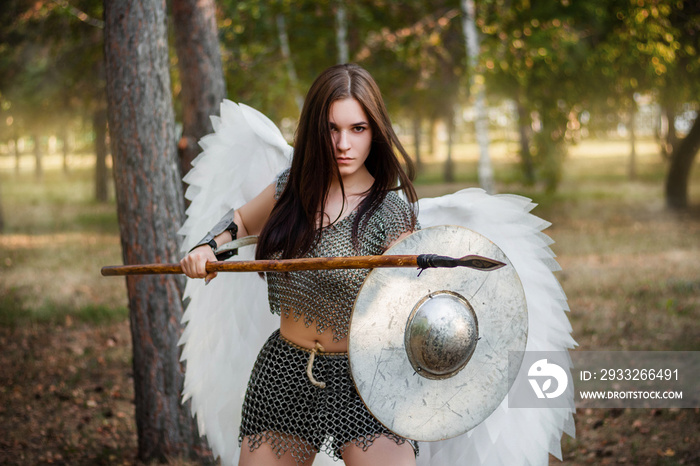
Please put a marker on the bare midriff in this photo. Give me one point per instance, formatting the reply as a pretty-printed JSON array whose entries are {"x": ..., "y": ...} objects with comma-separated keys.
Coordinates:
[{"x": 307, "y": 337}]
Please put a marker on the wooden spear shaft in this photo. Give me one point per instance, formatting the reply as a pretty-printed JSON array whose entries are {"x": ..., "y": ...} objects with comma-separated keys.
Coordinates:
[{"x": 314, "y": 263}]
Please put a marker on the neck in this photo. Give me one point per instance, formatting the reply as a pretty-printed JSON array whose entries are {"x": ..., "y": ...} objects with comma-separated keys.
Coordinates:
[{"x": 358, "y": 183}]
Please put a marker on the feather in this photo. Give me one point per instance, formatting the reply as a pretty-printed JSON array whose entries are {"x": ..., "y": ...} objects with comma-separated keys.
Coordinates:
[
  {"x": 510, "y": 436},
  {"x": 228, "y": 321}
]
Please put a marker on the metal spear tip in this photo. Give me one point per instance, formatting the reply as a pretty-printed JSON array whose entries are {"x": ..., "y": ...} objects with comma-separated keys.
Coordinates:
[
  {"x": 471, "y": 261},
  {"x": 480, "y": 263}
]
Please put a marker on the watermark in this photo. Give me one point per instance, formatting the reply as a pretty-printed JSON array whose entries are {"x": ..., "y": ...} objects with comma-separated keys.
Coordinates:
[{"x": 604, "y": 379}]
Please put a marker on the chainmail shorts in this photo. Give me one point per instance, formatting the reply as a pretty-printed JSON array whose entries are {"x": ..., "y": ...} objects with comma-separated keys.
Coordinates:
[{"x": 285, "y": 410}]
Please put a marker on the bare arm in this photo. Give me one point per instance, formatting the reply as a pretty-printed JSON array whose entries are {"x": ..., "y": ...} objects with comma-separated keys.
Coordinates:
[
  {"x": 254, "y": 214},
  {"x": 250, "y": 219}
]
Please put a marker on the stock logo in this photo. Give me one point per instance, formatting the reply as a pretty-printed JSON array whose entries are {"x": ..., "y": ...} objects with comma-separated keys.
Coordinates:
[{"x": 546, "y": 372}]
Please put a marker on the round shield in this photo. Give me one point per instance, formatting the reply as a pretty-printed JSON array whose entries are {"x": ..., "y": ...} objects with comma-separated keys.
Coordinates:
[{"x": 429, "y": 352}]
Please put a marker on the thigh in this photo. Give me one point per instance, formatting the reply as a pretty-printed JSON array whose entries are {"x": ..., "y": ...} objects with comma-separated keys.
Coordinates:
[
  {"x": 265, "y": 455},
  {"x": 383, "y": 450}
]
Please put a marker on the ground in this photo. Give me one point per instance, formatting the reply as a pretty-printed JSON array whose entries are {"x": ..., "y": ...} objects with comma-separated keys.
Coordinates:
[{"x": 631, "y": 270}]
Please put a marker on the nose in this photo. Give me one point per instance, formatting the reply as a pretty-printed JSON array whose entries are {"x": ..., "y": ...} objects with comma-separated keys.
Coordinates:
[{"x": 342, "y": 141}]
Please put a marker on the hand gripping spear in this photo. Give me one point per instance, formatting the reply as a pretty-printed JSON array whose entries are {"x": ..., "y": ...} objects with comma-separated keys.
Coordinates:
[{"x": 421, "y": 261}]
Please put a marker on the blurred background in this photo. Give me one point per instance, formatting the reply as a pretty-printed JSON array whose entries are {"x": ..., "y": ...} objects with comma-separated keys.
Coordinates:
[{"x": 587, "y": 107}]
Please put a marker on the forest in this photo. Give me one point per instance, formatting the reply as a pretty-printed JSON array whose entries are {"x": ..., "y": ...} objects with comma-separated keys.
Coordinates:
[
  {"x": 551, "y": 72},
  {"x": 589, "y": 108}
]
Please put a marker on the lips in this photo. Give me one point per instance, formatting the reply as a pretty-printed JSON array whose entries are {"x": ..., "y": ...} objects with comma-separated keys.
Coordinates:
[{"x": 344, "y": 160}]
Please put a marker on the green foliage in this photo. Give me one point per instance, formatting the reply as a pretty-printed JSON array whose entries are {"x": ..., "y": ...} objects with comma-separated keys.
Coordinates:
[
  {"x": 50, "y": 62},
  {"x": 559, "y": 60},
  {"x": 414, "y": 50},
  {"x": 533, "y": 54},
  {"x": 418, "y": 57},
  {"x": 645, "y": 46},
  {"x": 253, "y": 66}
]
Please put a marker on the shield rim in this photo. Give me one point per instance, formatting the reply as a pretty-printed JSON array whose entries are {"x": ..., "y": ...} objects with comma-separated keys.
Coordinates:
[{"x": 523, "y": 336}]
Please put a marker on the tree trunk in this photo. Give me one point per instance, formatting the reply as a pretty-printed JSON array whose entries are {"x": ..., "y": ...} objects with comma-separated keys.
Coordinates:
[
  {"x": 679, "y": 172},
  {"x": 433, "y": 142},
  {"x": 341, "y": 32},
  {"x": 2, "y": 215},
  {"x": 632, "y": 168},
  {"x": 99, "y": 125},
  {"x": 18, "y": 155},
  {"x": 525, "y": 152},
  {"x": 287, "y": 55},
  {"x": 416, "y": 143},
  {"x": 551, "y": 149},
  {"x": 668, "y": 138},
  {"x": 150, "y": 210},
  {"x": 38, "y": 167},
  {"x": 449, "y": 173},
  {"x": 482, "y": 122},
  {"x": 64, "y": 146},
  {"x": 201, "y": 72}
]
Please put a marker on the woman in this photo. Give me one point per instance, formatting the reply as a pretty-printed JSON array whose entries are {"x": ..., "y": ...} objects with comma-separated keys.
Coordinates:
[{"x": 338, "y": 198}]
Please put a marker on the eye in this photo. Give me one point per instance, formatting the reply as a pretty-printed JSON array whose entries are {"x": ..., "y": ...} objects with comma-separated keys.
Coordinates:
[
  {"x": 334, "y": 129},
  {"x": 359, "y": 129}
]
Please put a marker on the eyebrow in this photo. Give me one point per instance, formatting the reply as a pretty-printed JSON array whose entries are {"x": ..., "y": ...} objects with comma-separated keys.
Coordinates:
[{"x": 361, "y": 123}]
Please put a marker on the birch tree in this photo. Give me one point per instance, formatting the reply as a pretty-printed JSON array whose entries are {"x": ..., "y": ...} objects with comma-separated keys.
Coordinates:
[
  {"x": 341, "y": 32},
  {"x": 478, "y": 89},
  {"x": 287, "y": 55}
]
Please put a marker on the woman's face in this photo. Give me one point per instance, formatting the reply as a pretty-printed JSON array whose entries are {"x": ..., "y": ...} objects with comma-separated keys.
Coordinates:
[{"x": 352, "y": 136}]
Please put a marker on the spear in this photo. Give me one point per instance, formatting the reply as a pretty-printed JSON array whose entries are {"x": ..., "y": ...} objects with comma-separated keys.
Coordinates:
[{"x": 421, "y": 261}]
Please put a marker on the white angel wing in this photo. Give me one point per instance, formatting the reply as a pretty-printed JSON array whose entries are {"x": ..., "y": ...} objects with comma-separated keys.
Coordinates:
[
  {"x": 229, "y": 320},
  {"x": 510, "y": 436}
]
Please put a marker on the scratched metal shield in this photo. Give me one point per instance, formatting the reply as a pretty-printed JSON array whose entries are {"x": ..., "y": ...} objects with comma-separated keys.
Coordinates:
[{"x": 418, "y": 406}]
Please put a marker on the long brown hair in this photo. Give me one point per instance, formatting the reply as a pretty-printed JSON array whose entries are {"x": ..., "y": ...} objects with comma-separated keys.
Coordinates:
[{"x": 292, "y": 227}]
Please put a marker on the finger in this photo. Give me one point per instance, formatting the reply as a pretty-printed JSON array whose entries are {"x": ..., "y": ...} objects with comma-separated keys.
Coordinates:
[
  {"x": 185, "y": 265},
  {"x": 189, "y": 266},
  {"x": 201, "y": 268},
  {"x": 193, "y": 267},
  {"x": 210, "y": 277}
]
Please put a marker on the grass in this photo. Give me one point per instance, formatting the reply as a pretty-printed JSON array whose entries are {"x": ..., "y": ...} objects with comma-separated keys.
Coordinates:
[
  {"x": 55, "y": 241},
  {"x": 631, "y": 270},
  {"x": 13, "y": 313}
]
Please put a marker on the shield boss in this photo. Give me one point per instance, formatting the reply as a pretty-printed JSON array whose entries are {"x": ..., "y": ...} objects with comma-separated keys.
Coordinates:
[{"x": 429, "y": 353}]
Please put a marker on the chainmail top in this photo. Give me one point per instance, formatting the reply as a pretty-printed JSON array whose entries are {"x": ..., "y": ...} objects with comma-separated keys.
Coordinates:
[{"x": 326, "y": 297}]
